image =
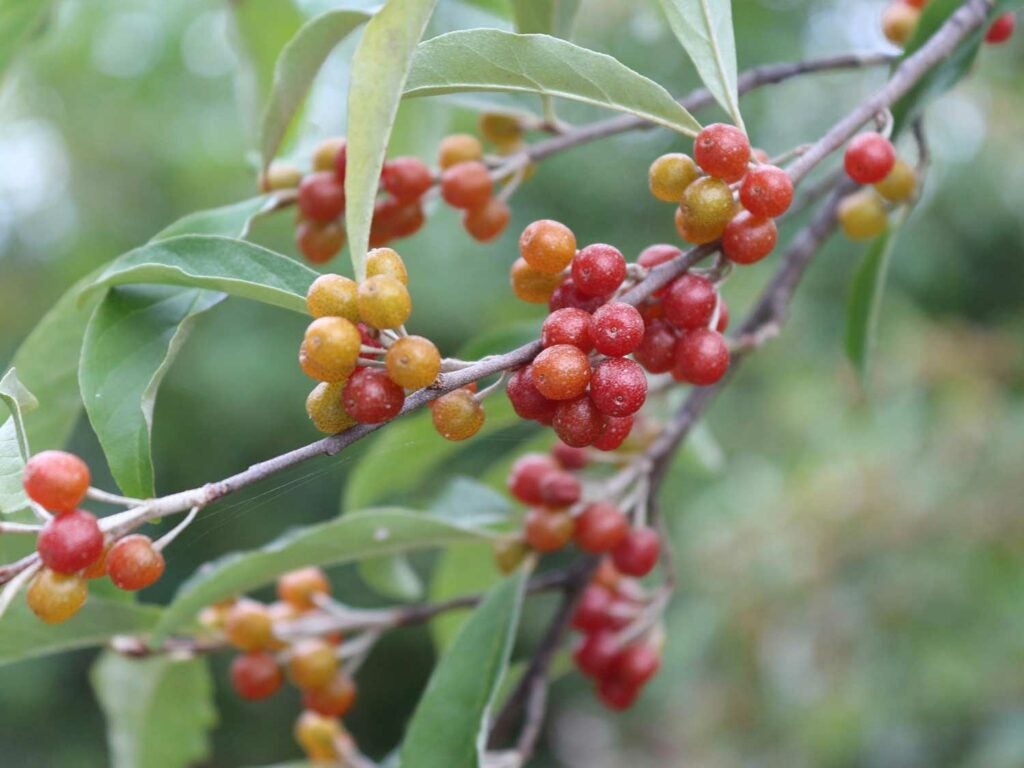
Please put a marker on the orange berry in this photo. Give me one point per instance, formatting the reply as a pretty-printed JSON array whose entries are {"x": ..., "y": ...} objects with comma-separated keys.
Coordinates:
[
  {"x": 547, "y": 246},
  {"x": 312, "y": 663},
  {"x": 332, "y": 345},
  {"x": 386, "y": 261},
  {"x": 457, "y": 415},
  {"x": 300, "y": 588},
  {"x": 531, "y": 285},
  {"x": 248, "y": 626},
  {"x": 413, "y": 362},
  {"x": 458, "y": 148},
  {"x": 484, "y": 223},
  {"x": 56, "y": 597},
  {"x": 333, "y": 296},
  {"x": 384, "y": 302}
]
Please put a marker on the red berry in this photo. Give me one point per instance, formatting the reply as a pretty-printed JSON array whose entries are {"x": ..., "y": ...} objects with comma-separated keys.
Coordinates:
[
  {"x": 578, "y": 422},
  {"x": 618, "y": 386},
  {"x": 723, "y": 316},
  {"x": 616, "y": 329},
  {"x": 256, "y": 675},
  {"x": 527, "y": 401},
  {"x": 370, "y": 396},
  {"x": 466, "y": 185},
  {"x": 341, "y": 161},
  {"x": 567, "y": 326},
  {"x": 134, "y": 563},
  {"x": 548, "y": 530},
  {"x": 319, "y": 241},
  {"x": 526, "y": 475},
  {"x": 702, "y": 357},
  {"x": 569, "y": 457},
  {"x": 748, "y": 239},
  {"x": 595, "y": 653},
  {"x": 616, "y": 694},
  {"x": 321, "y": 196},
  {"x": 56, "y": 479},
  {"x": 656, "y": 352},
  {"x": 487, "y": 221},
  {"x": 598, "y": 270},
  {"x": 1001, "y": 29},
  {"x": 653, "y": 255},
  {"x": 767, "y": 191},
  {"x": 636, "y": 664},
  {"x": 70, "y": 542},
  {"x": 869, "y": 158},
  {"x": 406, "y": 178},
  {"x": 568, "y": 295},
  {"x": 332, "y": 700},
  {"x": 722, "y": 151},
  {"x": 591, "y": 612},
  {"x": 600, "y": 527},
  {"x": 614, "y": 432},
  {"x": 690, "y": 302},
  {"x": 560, "y": 489},
  {"x": 561, "y": 372},
  {"x": 638, "y": 552}
]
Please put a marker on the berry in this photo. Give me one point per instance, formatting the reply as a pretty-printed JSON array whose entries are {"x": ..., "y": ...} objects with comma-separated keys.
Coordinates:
[
  {"x": 406, "y": 178},
  {"x": 321, "y": 196},
  {"x": 595, "y": 653},
  {"x": 616, "y": 694},
  {"x": 503, "y": 130},
  {"x": 862, "y": 215},
  {"x": 532, "y": 285},
  {"x": 319, "y": 241},
  {"x": 256, "y": 675},
  {"x": 547, "y": 246},
  {"x": 748, "y": 239},
  {"x": 134, "y": 563},
  {"x": 656, "y": 352},
  {"x": 312, "y": 663},
  {"x": 248, "y": 626},
  {"x": 413, "y": 362},
  {"x": 618, "y": 387},
  {"x": 561, "y": 372},
  {"x": 636, "y": 664},
  {"x": 591, "y": 614},
  {"x": 485, "y": 222},
  {"x": 569, "y": 457},
  {"x": 578, "y": 422},
  {"x": 56, "y": 479},
  {"x": 334, "y": 699},
  {"x": 509, "y": 553},
  {"x": 392, "y": 219},
  {"x": 614, "y": 431},
  {"x": 466, "y": 185},
  {"x": 56, "y": 597},
  {"x": 567, "y": 326},
  {"x": 901, "y": 183},
  {"x": 458, "y": 148},
  {"x": 332, "y": 345},
  {"x": 702, "y": 357},
  {"x": 690, "y": 301},
  {"x": 526, "y": 475},
  {"x": 280, "y": 175},
  {"x": 568, "y": 295},
  {"x": 333, "y": 296},
  {"x": 371, "y": 397},
  {"x": 723, "y": 316},
  {"x": 598, "y": 270},
  {"x": 384, "y": 302},
  {"x": 325, "y": 408},
  {"x": 653, "y": 255},
  {"x": 638, "y": 552},
  {"x": 616, "y": 329},
  {"x": 527, "y": 401},
  {"x": 722, "y": 151},
  {"x": 706, "y": 208},
  {"x": 328, "y": 153},
  {"x": 548, "y": 530},
  {"x": 601, "y": 527},
  {"x": 386, "y": 261},
  {"x": 70, "y": 542},
  {"x": 869, "y": 158},
  {"x": 317, "y": 372},
  {"x": 1001, "y": 29},
  {"x": 457, "y": 415},
  {"x": 766, "y": 191},
  {"x": 670, "y": 175},
  {"x": 560, "y": 489},
  {"x": 300, "y": 588},
  {"x": 318, "y": 736},
  {"x": 899, "y": 21},
  {"x": 98, "y": 568}
]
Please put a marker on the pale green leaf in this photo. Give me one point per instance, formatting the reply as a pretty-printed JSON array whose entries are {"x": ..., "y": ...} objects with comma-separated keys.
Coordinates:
[
  {"x": 232, "y": 220},
  {"x": 392, "y": 577},
  {"x": 14, "y": 443}
]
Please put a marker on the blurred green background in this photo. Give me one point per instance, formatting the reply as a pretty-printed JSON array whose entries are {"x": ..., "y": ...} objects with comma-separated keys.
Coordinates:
[{"x": 852, "y": 587}]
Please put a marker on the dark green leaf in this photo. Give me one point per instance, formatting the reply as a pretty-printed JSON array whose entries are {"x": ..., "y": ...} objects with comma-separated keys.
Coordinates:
[
  {"x": 20, "y": 21},
  {"x": 392, "y": 577},
  {"x": 460, "y": 570},
  {"x": 14, "y": 445},
  {"x": 545, "y": 17}
]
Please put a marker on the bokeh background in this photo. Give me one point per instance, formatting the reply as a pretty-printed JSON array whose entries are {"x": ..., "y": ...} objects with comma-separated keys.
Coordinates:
[{"x": 852, "y": 583}]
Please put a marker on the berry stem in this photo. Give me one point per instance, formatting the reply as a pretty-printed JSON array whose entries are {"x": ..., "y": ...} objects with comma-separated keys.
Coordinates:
[
  {"x": 172, "y": 534},
  {"x": 14, "y": 586},
  {"x": 112, "y": 498},
  {"x": 20, "y": 528}
]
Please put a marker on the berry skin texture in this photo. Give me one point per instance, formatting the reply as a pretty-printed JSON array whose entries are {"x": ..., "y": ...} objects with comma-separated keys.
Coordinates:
[
  {"x": 656, "y": 352},
  {"x": 333, "y": 296},
  {"x": 386, "y": 261},
  {"x": 301, "y": 587},
  {"x": 532, "y": 285},
  {"x": 748, "y": 239},
  {"x": 702, "y": 357},
  {"x": 670, "y": 175},
  {"x": 134, "y": 563},
  {"x": 466, "y": 185},
  {"x": 1001, "y": 29},
  {"x": 653, "y": 255},
  {"x": 332, "y": 345},
  {"x": 862, "y": 215},
  {"x": 561, "y": 372},
  {"x": 591, "y": 614},
  {"x": 406, "y": 178},
  {"x": 600, "y": 527},
  {"x": 595, "y": 653},
  {"x": 560, "y": 489},
  {"x": 616, "y": 329},
  {"x": 321, "y": 197},
  {"x": 690, "y": 301},
  {"x": 319, "y": 241},
  {"x": 548, "y": 530},
  {"x": 598, "y": 270},
  {"x": 486, "y": 222},
  {"x": 578, "y": 423},
  {"x": 56, "y": 479},
  {"x": 706, "y": 208},
  {"x": 326, "y": 410},
  {"x": 618, "y": 387},
  {"x": 248, "y": 626},
  {"x": 567, "y": 326},
  {"x": 457, "y": 415},
  {"x": 899, "y": 21},
  {"x": 458, "y": 148},
  {"x": 317, "y": 735},
  {"x": 722, "y": 151},
  {"x": 371, "y": 397},
  {"x": 334, "y": 699},
  {"x": 614, "y": 432},
  {"x": 256, "y": 675},
  {"x": 413, "y": 362},
  {"x": 637, "y": 553},
  {"x": 547, "y": 246},
  {"x": 70, "y": 542},
  {"x": 56, "y": 597},
  {"x": 527, "y": 401},
  {"x": 901, "y": 183},
  {"x": 767, "y": 191},
  {"x": 312, "y": 664},
  {"x": 869, "y": 158},
  {"x": 527, "y": 474},
  {"x": 384, "y": 302}
]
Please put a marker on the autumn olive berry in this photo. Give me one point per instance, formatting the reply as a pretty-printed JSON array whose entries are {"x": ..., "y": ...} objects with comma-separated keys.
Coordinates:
[
  {"x": 637, "y": 553},
  {"x": 748, "y": 239},
  {"x": 862, "y": 215},
  {"x": 1001, "y": 29},
  {"x": 561, "y": 372},
  {"x": 723, "y": 315},
  {"x": 384, "y": 302},
  {"x": 500, "y": 129},
  {"x": 312, "y": 663},
  {"x": 567, "y": 326},
  {"x": 318, "y": 736},
  {"x": 706, "y": 208},
  {"x": 319, "y": 241},
  {"x": 56, "y": 479},
  {"x": 702, "y": 357},
  {"x": 332, "y": 344},
  {"x": 598, "y": 270},
  {"x": 656, "y": 352},
  {"x": 458, "y": 148},
  {"x": 279, "y": 176},
  {"x": 526, "y": 400},
  {"x": 371, "y": 397},
  {"x": 547, "y": 246},
  {"x": 70, "y": 542},
  {"x": 591, "y": 613},
  {"x": 670, "y": 174},
  {"x": 600, "y": 527},
  {"x": 899, "y": 21},
  {"x": 466, "y": 185},
  {"x": 869, "y": 157},
  {"x": 98, "y": 568},
  {"x": 393, "y": 219},
  {"x": 321, "y": 197},
  {"x": 560, "y": 489},
  {"x": 568, "y": 295},
  {"x": 569, "y": 457},
  {"x": 485, "y": 222},
  {"x": 55, "y": 597},
  {"x": 301, "y": 588},
  {"x": 333, "y": 296},
  {"x": 766, "y": 191},
  {"x": 613, "y": 433},
  {"x": 457, "y": 415},
  {"x": 256, "y": 675},
  {"x": 653, "y": 255},
  {"x": 386, "y": 261},
  {"x": 616, "y": 694},
  {"x": 636, "y": 664},
  {"x": 532, "y": 285},
  {"x": 618, "y": 386},
  {"x": 406, "y": 178},
  {"x": 413, "y": 362},
  {"x": 690, "y": 301},
  {"x": 248, "y": 626},
  {"x": 326, "y": 155},
  {"x": 527, "y": 474},
  {"x": 578, "y": 422},
  {"x": 334, "y": 699},
  {"x": 901, "y": 183},
  {"x": 548, "y": 530},
  {"x": 616, "y": 329},
  {"x": 595, "y": 652},
  {"x": 325, "y": 408},
  {"x": 134, "y": 563},
  {"x": 722, "y": 151}
]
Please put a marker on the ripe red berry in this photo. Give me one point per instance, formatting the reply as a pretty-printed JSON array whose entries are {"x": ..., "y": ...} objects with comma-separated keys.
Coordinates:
[
  {"x": 869, "y": 158},
  {"x": 748, "y": 239},
  {"x": 406, "y": 178},
  {"x": 690, "y": 302},
  {"x": 616, "y": 329},
  {"x": 567, "y": 326},
  {"x": 600, "y": 527},
  {"x": 466, "y": 185},
  {"x": 614, "y": 432},
  {"x": 548, "y": 530},
  {"x": 591, "y": 612},
  {"x": 616, "y": 694},
  {"x": 722, "y": 151},
  {"x": 723, "y": 316},
  {"x": 70, "y": 542},
  {"x": 319, "y": 241},
  {"x": 767, "y": 191},
  {"x": 598, "y": 270},
  {"x": 595, "y": 653},
  {"x": 653, "y": 255},
  {"x": 526, "y": 475},
  {"x": 656, "y": 352},
  {"x": 561, "y": 372},
  {"x": 636, "y": 664},
  {"x": 256, "y": 675},
  {"x": 566, "y": 294},
  {"x": 527, "y": 401},
  {"x": 618, "y": 386},
  {"x": 321, "y": 196},
  {"x": 56, "y": 479},
  {"x": 578, "y": 422},
  {"x": 638, "y": 552},
  {"x": 1001, "y": 29},
  {"x": 334, "y": 699},
  {"x": 341, "y": 160},
  {"x": 569, "y": 457},
  {"x": 134, "y": 563},
  {"x": 371, "y": 397},
  {"x": 487, "y": 221},
  {"x": 560, "y": 489},
  {"x": 702, "y": 357}
]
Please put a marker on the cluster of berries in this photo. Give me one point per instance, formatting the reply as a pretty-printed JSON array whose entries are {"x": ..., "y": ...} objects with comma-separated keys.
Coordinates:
[
  {"x": 71, "y": 546},
  {"x": 871, "y": 160},
  {"x": 311, "y": 664},
  {"x": 901, "y": 17}
]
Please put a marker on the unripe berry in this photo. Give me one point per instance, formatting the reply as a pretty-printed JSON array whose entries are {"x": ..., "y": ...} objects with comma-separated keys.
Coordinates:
[
  {"x": 869, "y": 157},
  {"x": 509, "y": 554},
  {"x": 567, "y": 326},
  {"x": 406, "y": 178},
  {"x": 637, "y": 553},
  {"x": 248, "y": 626},
  {"x": 568, "y": 295},
  {"x": 300, "y": 588},
  {"x": 384, "y": 302},
  {"x": 595, "y": 652},
  {"x": 70, "y": 542},
  {"x": 591, "y": 614},
  {"x": 371, "y": 397},
  {"x": 527, "y": 401},
  {"x": 656, "y": 352},
  {"x": 56, "y": 597},
  {"x": 670, "y": 174},
  {"x": 901, "y": 183},
  {"x": 318, "y": 736},
  {"x": 458, "y": 148},
  {"x": 547, "y": 246},
  {"x": 899, "y": 21},
  {"x": 457, "y": 415},
  {"x": 413, "y": 362},
  {"x": 569, "y": 457},
  {"x": 325, "y": 408},
  {"x": 1001, "y": 29},
  {"x": 502, "y": 130},
  {"x": 561, "y": 372},
  {"x": 134, "y": 563},
  {"x": 280, "y": 175},
  {"x": 722, "y": 151},
  {"x": 766, "y": 191},
  {"x": 600, "y": 527},
  {"x": 706, "y": 208},
  {"x": 326, "y": 155},
  {"x": 862, "y": 215},
  {"x": 321, "y": 197},
  {"x": 702, "y": 357},
  {"x": 616, "y": 329},
  {"x": 527, "y": 474},
  {"x": 578, "y": 422},
  {"x": 334, "y": 699},
  {"x": 256, "y": 675},
  {"x": 485, "y": 222},
  {"x": 386, "y": 261},
  {"x": 690, "y": 301},
  {"x": 56, "y": 479},
  {"x": 748, "y": 239},
  {"x": 560, "y": 489},
  {"x": 532, "y": 285},
  {"x": 548, "y": 530},
  {"x": 333, "y": 296},
  {"x": 598, "y": 270},
  {"x": 618, "y": 387},
  {"x": 466, "y": 185},
  {"x": 332, "y": 345},
  {"x": 312, "y": 663},
  {"x": 614, "y": 431}
]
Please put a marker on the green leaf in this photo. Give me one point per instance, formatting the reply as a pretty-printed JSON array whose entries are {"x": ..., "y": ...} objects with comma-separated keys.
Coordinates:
[
  {"x": 491, "y": 60},
  {"x": 131, "y": 342},
  {"x": 159, "y": 710},
  {"x": 296, "y": 68},
  {"x": 20, "y": 22},
  {"x": 14, "y": 445},
  {"x": 545, "y": 17},
  {"x": 392, "y": 577},
  {"x": 379, "y": 70},
  {"x": 704, "y": 27},
  {"x": 460, "y": 570},
  {"x": 346, "y": 539},
  {"x": 24, "y": 636},
  {"x": 470, "y": 502},
  {"x": 231, "y": 220},
  {"x": 464, "y": 682},
  {"x": 215, "y": 263}
]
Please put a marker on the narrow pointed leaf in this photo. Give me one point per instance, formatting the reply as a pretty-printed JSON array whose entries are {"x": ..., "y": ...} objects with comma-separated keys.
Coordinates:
[{"x": 232, "y": 220}]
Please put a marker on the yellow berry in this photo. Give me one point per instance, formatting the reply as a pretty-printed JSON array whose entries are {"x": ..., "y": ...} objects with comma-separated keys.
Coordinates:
[
  {"x": 670, "y": 175},
  {"x": 312, "y": 663},
  {"x": 532, "y": 285},
  {"x": 324, "y": 407},
  {"x": 384, "y": 302},
  {"x": 457, "y": 415},
  {"x": 509, "y": 553},
  {"x": 413, "y": 362},
  {"x": 500, "y": 129},
  {"x": 248, "y": 626},
  {"x": 326, "y": 152},
  {"x": 901, "y": 183},
  {"x": 458, "y": 148},
  {"x": 899, "y": 21},
  {"x": 318, "y": 736},
  {"x": 386, "y": 261},
  {"x": 862, "y": 215},
  {"x": 333, "y": 296},
  {"x": 56, "y": 597},
  {"x": 332, "y": 345},
  {"x": 280, "y": 175}
]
